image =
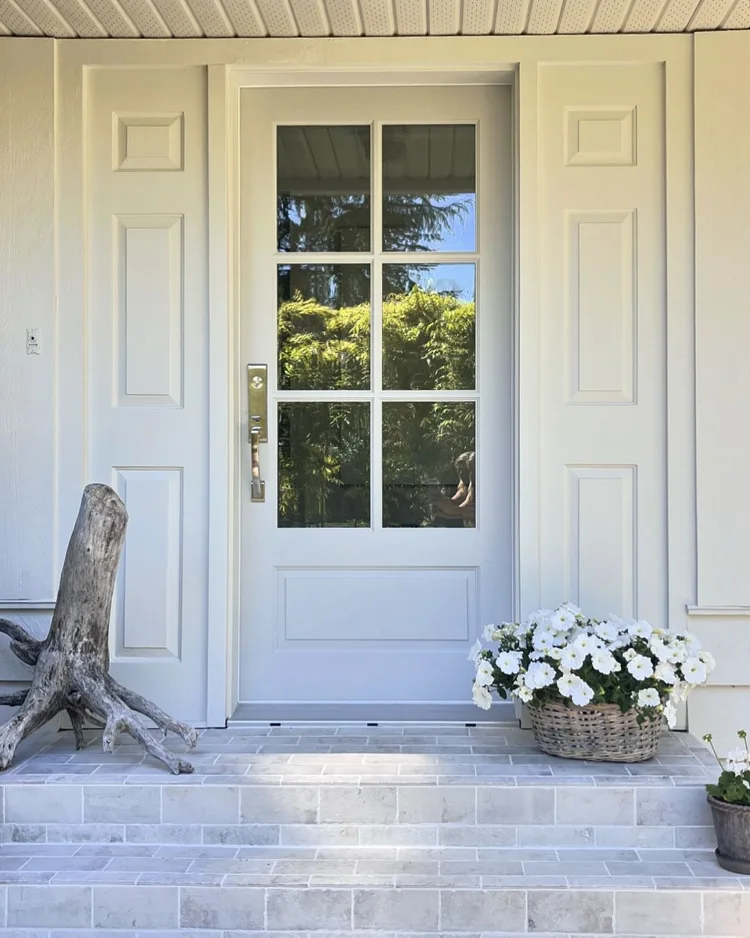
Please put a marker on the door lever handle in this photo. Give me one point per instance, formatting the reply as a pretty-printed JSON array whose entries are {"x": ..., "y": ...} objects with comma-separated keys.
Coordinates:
[
  {"x": 257, "y": 415},
  {"x": 257, "y": 485}
]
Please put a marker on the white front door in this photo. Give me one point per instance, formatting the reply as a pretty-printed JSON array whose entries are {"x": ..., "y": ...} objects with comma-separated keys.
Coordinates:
[{"x": 375, "y": 285}]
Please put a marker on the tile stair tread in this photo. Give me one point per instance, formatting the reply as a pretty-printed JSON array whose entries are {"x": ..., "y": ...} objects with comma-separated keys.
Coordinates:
[
  {"x": 427, "y": 868},
  {"x": 499, "y": 755}
]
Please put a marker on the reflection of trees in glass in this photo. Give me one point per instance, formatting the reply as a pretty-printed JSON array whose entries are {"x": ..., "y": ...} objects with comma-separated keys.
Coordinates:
[
  {"x": 428, "y": 341},
  {"x": 419, "y": 221},
  {"x": 324, "y": 448},
  {"x": 323, "y": 222},
  {"x": 324, "y": 326},
  {"x": 429, "y": 186},
  {"x": 324, "y": 464},
  {"x": 421, "y": 441}
]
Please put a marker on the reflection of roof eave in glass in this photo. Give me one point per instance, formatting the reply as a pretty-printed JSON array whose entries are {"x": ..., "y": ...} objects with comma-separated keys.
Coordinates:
[{"x": 309, "y": 186}]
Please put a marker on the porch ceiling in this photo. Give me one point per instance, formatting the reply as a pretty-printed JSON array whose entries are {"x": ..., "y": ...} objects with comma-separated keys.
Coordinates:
[{"x": 161, "y": 19}]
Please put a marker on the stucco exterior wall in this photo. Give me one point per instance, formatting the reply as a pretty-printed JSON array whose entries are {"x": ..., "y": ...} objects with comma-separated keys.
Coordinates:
[
  {"x": 707, "y": 556},
  {"x": 721, "y": 615},
  {"x": 27, "y": 301}
]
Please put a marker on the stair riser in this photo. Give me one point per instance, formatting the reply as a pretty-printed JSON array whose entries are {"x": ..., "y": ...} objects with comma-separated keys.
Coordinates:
[
  {"x": 424, "y": 911},
  {"x": 268, "y": 809},
  {"x": 681, "y": 837}
]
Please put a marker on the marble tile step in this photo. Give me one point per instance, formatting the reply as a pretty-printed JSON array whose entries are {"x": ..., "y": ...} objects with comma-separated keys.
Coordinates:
[
  {"x": 328, "y": 813},
  {"x": 290, "y": 912},
  {"x": 402, "y": 867}
]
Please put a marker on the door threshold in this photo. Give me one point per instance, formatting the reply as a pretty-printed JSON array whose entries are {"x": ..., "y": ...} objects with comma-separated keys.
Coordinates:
[{"x": 371, "y": 713}]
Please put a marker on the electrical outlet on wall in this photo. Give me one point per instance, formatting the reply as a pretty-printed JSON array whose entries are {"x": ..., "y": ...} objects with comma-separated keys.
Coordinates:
[{"x": 32, "y": 342}]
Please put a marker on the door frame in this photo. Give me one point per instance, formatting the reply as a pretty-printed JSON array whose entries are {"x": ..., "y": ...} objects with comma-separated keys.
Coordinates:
[
  {"x": 234, "y": 63},
  {"x": 236, "y": 81}
]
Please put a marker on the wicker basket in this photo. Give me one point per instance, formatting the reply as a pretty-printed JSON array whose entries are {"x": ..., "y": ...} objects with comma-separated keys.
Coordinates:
[{"x": 599, "y": 733}]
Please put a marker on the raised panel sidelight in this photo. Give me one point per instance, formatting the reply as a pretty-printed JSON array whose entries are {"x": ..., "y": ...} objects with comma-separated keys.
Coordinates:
[
  {"x": 601, "y": 307},
  {"x": 601, "y": 539},
  {"x": 315, "y": 605},
  {"x": 600, "y": 136},
  {"x": 148, "y": 606},
  {"x": 147, "y": 142},
  {"x": 149, "y": 303}
]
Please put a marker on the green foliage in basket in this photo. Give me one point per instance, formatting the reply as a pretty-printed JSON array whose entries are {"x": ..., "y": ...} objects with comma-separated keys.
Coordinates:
[
  {"x": 561, "y": 655},
  {"x": 733, "y": 785}
]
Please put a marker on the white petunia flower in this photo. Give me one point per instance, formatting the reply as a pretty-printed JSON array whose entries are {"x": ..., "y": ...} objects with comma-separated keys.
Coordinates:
[
  {"x": 524, "y": 694},
  {"x": 485, "y": 675},
  {"x": 587, "y": 643},
  {"x": 482, "y": 697},
  {"x": 670, "y": 712},
  {"x": 640, "y": 667},
  {"x": 566, "y": 683},
  {"x": 739, "y": 755},
  {"x": 665, "y": 673},
  {"x": 738, "y": 768},
  {"x": 648, "y": 697},
  {"x": 540, "y": 616},
  {"x": 604, "y": 661},
  {"x": 509, "y": 662},
  {"x": 475, "y": 652},
  {"x": 572, "y": 658},
  {"x": 540, "y": 674},
  {"x": 543, "y": 640},
  {"x": 607, "y": 631},
  {"x": 680, "y": 691},
  {"x": 575, "y": 610},
  {"x": 694, "y": 671},
  {"x": 641, "y": 629},
  {"x": 708, "y": 659},
  {"x": 629, "y": 654},
  {"x": 659, "y": 649},
  {"x": 555, "y": 654},
  {"x": 677, "y": 652},
  {"x": 581, "y": 693},
  {"x": 562, "y": 619},
  {"x": 692, "y": 646}
]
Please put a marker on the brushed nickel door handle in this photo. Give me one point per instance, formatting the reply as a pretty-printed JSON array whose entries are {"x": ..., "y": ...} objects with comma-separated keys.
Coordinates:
[
  {"x": 257, "y": 415},
  {"x": 257, "y": 485}
]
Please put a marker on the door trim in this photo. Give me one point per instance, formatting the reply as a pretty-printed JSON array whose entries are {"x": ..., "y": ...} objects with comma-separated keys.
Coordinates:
[{"x": 238, "y": 79}]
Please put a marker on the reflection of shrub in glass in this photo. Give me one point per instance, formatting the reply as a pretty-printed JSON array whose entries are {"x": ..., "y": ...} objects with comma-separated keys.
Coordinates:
[
  {"x": 421, "y": 443},
  {"x": 324, "y": 326},
  {"x": 324, "y": 465},
  {"x": 428, "y": 342},
  {"x": 324, "y": 448}
]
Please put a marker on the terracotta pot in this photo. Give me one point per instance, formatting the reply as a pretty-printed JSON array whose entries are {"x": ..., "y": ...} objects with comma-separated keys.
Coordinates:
[{"x": 732, "y": 825}]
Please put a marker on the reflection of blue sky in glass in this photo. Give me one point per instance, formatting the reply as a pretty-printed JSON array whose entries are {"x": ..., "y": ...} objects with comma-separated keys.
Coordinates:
[
  {"x": 429, "y": 187},
  {"x": 455, "y": 279}
]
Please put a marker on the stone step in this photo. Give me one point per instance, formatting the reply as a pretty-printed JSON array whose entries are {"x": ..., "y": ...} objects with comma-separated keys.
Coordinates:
[
  {"x": 390, "y": 831},
  {"x": 452, "y": 867},
  {"x": 621, "y": 909},
  {"x": 444, "y": 786}
]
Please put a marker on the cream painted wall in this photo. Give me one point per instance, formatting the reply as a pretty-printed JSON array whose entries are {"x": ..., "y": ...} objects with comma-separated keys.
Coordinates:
[
  {"x": 721, "y": 615},
  {"x": 707, "y": 572},
  {"x": 27, "y": 300}
]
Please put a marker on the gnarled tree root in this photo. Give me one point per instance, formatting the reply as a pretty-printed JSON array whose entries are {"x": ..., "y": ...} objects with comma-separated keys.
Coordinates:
[{"x": 71, "y": 666}]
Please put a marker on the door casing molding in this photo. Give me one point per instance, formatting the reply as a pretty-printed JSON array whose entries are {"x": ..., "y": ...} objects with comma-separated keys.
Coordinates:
[{"x": 234, "y": 64}]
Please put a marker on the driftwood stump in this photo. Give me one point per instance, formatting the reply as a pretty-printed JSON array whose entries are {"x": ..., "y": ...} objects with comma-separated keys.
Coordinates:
[{"x": 71, "y": 665}]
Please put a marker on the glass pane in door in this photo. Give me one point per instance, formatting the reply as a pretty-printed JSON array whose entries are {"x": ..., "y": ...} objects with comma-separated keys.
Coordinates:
[
  {"x": 324, "y": 464},
  {"x": 429, "y": 460},
  {"x": 429, "y": 327},
  {"x": 323, "y": 188},
  {"x": 323, "y": 323},
  {"x": 429, "y": 187}
]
